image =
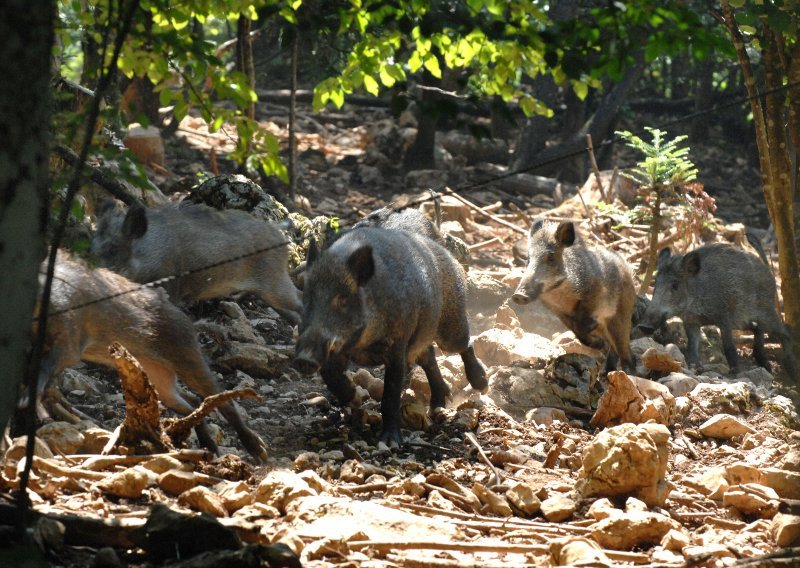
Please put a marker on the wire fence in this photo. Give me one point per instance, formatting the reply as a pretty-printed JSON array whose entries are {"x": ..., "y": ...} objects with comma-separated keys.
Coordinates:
[{"x": 436, "y": 193}]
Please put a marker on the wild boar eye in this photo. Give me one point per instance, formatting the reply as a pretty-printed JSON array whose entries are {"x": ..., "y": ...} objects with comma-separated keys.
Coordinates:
[{"x": 551, "y": 258}]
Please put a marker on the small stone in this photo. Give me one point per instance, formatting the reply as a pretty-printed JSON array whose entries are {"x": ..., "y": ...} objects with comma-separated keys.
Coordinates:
[
  {"x": 202, "y": 499},
  {"x": 414, "y": 415},
  {"x": 752, "y": 499},
  {"x": 558, "y": 508},
  {"x": 738, "y": 473},
  {"x": 492, "y": 502},
  {"x": 785, "y": 483},
  {"x": 675, "y": 540},
  {"x": 16, "y": 450},
  {"x": 628, "y": 459},
  {"x": 234, "y": 495},
  {"x": 94, "y": 440},
  {"x": 602, "y": 509},
  {"x": 175, "y": 482},
  {"x": 126, "y": 483},
  {"x": 708, "y": 551},
  {"x": 679, "y": 384},
  {"x": 791, "y": 461},
  {"x": 280, "y": 487},
  {"x": 633, "y": 504},
  {"x": 522, "y": 496},
  {"x": 306, "y": 460},
  {"x": 713, "y": 483},
  {"x": 352, "y": 471},
  {"x": 724, "y": 426},
  {"x": 660, "y": 360},
  {"x": 439, "y": 501},
  {"x": 623, "y": 532},
  {"x": 74, "y": 380},
  {"x": 61, "y": 437},
  {"x": 374, "y": 386},
  {"x": 634, "y": 400},
  {"x": 545, "y": 416},
  {"x": 256, "y": 360},
  {"x": 162, "y": 464},
  {"x": 574, "y": 551},
  {"x": 785, "y": 529},
  {"x": 316, "y": 483},
  {"x": 466, "y": 419}
]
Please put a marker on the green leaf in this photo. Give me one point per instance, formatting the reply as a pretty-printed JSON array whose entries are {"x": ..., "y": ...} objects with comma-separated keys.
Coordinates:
[
  {"x": 371, "y": 85},
  {"x": 432, "y": 65},
  {"x": 414, "y": 62},
  {"x": 581, "y": 89}
]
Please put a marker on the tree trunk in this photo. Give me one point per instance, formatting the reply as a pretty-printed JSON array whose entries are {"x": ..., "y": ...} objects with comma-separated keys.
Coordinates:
[
  {"x": 140, "y": 103},
  {"x": 27, "y": 32},
  {"x": 420, "y": 156},
  {"x": 703, "y": 99},
  {"x": 293, "y": 120},
  {"x": 244, "y": 59},
  {"x": 775, "y": 163},
  {"x": 534, "y": 135},
  {"x": 552, "y": 159}
]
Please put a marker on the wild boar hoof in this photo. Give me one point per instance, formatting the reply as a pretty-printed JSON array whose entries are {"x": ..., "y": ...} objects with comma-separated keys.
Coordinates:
[
  {"x": 305, "y": 366},
  {"x": 392, "y": 438},
  {"x": 521, "y": 298}
]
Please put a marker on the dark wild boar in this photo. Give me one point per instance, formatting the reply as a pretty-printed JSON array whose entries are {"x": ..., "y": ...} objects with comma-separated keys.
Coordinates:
[
  {"x": 152, "y": 329},
  {"x": 720, "y": 285},
  {"x": 380, "y": 296},
  {"x": 589, "y": 288},
  {"x": 145, "y": 244}
]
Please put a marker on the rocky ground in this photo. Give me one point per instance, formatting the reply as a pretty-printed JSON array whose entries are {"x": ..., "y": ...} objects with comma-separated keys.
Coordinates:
[{"x": 557, "y": 464}]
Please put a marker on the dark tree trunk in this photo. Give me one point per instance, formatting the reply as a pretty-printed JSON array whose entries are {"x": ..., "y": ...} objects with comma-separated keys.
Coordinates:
[
  {"x": 533, "y": 137},
  {"x": 140, "y": 103},
  {"x": 420, "y": 156},
  {"x": 244, "y": 58},
  {"x": 535, "y": 134},
  {"x": 551, "y": 160},
  {"x": 703, "y": 98},
  {"x": 502, "y": 120},
  {"x": 27, "y": 32}
]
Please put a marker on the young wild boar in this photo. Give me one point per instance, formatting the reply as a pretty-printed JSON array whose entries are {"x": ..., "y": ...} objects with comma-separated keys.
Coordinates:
[
  {"x": 720, "y": 285},
  {"x": 381, "y": 296},
  {"x": 589, "y": 288},
  {"x": 146, "y": 244},
  {"x": 158, "y": 334}
]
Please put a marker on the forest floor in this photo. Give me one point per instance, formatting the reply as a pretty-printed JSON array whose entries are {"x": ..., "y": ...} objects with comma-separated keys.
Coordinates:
[{"x": 678, "y": 467}]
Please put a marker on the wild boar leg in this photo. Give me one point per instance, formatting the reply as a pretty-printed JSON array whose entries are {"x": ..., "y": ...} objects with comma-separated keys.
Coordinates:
[
  {"x": 729, "y": 347},
  {"x": 394, "y": 378},
  {"x": 439, "y": 389},
  {"x": 693, "y": 344},
  {"x": 163, "y": 380}
]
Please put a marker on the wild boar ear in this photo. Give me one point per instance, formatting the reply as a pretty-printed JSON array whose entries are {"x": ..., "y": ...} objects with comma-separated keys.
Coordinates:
[
  {"x": 537, "y": 225},
  {"x": 691, "y": 263},
  {"x": 565, "y": 234},
  {"x": 361, "y": 264},
  {"x": 663, "y": 257},
  {"x": 313, "y": 253},
  {"x": 135, "y": 224}
]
